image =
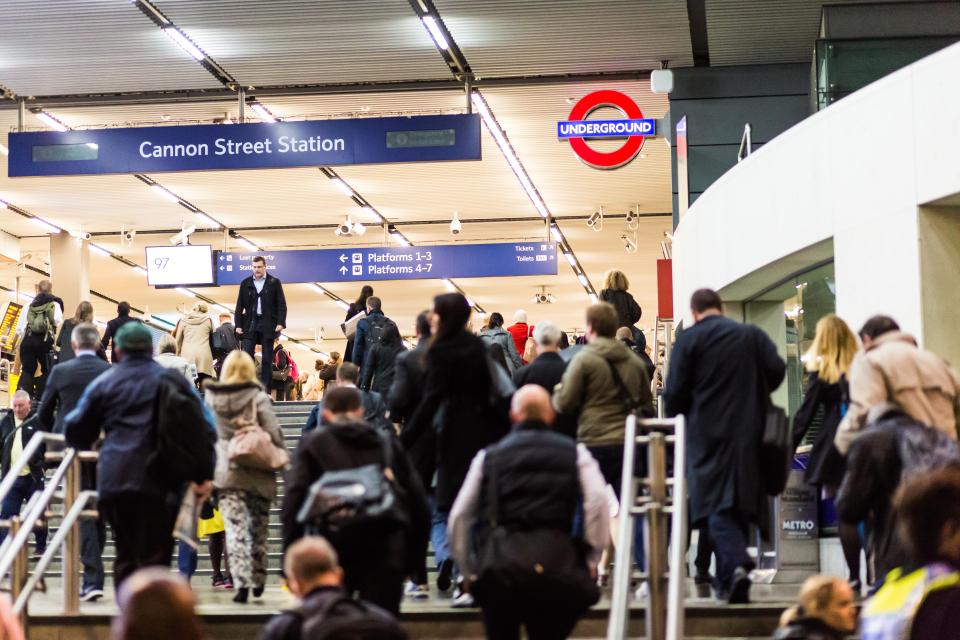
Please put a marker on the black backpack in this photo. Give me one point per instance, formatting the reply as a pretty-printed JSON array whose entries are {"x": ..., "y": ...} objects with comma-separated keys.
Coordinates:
[
  {"x": 183, "y": 452},
  {"x": 344, "y": 618},
  {"x": 378, "y": 325},
  {"x": 222, "y": 342},
  {"x": 356, "y": 500}
]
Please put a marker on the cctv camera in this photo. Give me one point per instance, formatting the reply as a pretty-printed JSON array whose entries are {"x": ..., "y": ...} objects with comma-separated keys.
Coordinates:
[
  {"x": 455, "y": 225},
  {"x": 343, "y": 229},
  {"x": 85, "y": 235},
  {"x": 127, "y": 236}
]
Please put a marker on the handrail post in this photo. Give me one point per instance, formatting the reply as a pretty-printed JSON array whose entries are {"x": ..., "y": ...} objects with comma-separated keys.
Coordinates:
[
  {"x": 656, "y": 540},
  {"x": 18, "y": 571},
  {"x": 71, "y": 552},
  {"x": 623, "y": 565}
]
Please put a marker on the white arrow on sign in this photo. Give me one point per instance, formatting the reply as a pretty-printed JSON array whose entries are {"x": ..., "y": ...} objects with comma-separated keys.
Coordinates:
[
  {"x": 343, "y": 270},
  {"x": 343, "y": 258}
]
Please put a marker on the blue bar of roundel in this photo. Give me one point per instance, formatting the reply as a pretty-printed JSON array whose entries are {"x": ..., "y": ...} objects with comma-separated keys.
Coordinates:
[
  {"x": 364, "y": 141},
  {"x": 642, "y": 127},
  {"x": 396, "y": 263}
]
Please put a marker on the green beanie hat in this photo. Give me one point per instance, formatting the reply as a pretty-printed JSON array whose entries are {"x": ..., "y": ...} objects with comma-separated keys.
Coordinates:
[{"x": 134, "y": 336}]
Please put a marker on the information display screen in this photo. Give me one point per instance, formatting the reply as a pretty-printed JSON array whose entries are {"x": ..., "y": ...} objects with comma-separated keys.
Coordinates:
[{"x": 180, "y": 265}]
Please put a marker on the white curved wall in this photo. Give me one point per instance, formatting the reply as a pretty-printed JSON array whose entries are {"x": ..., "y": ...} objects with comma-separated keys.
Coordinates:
[{"x": 855, "y": 173}]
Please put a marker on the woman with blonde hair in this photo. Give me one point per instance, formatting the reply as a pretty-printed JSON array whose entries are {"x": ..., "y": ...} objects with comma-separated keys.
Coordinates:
[
  {"x": 65, "y": 333},
  {"x": 193, "y": 340},
  {"x": 827, "y": 393},
  {"x": 825, "y": 611},
  {"x": 615, "y": 285},
  {"x": 244, "y": 493}
]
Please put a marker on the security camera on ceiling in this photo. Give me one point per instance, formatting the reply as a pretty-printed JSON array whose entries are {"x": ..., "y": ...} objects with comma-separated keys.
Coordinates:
[
  {"x": 595, "y": 221},
  {"x": 455, "y": 225},
  {"x": 350, "y": 228},
  {"x": 628, "y": 243},
  {"x": 85, "y": 235},
  {"x": 127, "y": 236},
  {"x": 184, "y": 236},
  {"x": 543, "y": 296}
]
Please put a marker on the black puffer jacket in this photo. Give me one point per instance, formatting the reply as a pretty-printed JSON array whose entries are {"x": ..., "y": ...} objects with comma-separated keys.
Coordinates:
[{"x": 628, "y": 311}]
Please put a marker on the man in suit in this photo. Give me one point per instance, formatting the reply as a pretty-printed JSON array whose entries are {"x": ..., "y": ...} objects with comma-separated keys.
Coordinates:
[
  {"x": 260, "y": 315},
  {"x": 67, "y": 383},
  {"x": 547, "y": 370},
  {"x": 17, "y": 428}
]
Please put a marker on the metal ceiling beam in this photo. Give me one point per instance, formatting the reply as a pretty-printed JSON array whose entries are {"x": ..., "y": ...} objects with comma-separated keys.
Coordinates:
[
  {"x": 217, "y": 94},
  {"x": 699, "y": 43}
]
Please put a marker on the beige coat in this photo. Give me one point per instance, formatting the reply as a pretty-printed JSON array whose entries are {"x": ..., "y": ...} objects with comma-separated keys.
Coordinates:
[
  {"x": 313, "y": 387},
  {"x": 895, "y": 370},
  {"x": 193, "y": 341}
]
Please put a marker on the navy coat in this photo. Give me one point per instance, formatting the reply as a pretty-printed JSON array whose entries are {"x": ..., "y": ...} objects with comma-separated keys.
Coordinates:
[{"x": 721, "y": 375}]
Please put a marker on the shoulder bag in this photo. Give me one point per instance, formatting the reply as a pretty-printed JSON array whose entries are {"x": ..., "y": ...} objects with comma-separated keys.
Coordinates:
[
  {"x": 776, "y": 442},
  {"x": 546, "y": 568},
  {"x": 252, "y": 447}
]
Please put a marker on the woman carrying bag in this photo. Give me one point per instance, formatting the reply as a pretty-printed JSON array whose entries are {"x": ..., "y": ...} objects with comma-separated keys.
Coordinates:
[{"x": 250, "y": 450}]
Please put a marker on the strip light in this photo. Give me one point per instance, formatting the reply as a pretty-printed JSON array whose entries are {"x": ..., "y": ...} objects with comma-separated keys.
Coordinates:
[
  {"x": 206, "y": 220},
  {"x": 246, "y": 243},
  {"x": 501, "y": 139},
  {"x": 317, "y": 288},
  {"x": 186, "y": 292},
  {"x": 46, "y": 226},
  {"x": 342, "y": 186},
  {"x": 431, "y": 23},
  {"x": 449, "y": 285},
  {"x": 100, "y": 251},
  {"x": 140, "y": 270},
  {"x": 163, "y": 193},
  {"x": 262, "y": 112},
  {"x": 50, "y": 121},
  {"x": 177, "y": 36},
  {"x": 3, "y": 205},
  {"x": 343, "y": 305},
  {"x": 594, "y": 299}
]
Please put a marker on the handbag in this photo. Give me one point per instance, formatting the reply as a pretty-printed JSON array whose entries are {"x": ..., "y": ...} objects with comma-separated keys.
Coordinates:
[
  {"x": 350, "y": 326},
  {"x": 544, "y": 568},
  {"x": 280, "y": 374},
  {"x": 776, "y": 442},
  {"x": 252, "y": 447}
]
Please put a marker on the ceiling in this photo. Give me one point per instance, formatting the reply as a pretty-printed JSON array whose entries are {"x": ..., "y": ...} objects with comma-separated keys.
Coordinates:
[{"x": 66, "y": 47}]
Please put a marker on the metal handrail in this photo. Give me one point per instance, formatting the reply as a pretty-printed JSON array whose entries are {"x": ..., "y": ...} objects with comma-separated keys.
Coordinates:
[
  {"x": 72, "y": 516},
  {"x": 35, "y": 443},
  {"x": 746, "y": 143},
  {"x": 663, "y": 620}
]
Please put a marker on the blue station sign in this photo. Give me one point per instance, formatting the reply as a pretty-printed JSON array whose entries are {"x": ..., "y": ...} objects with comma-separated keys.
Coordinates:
[
  {"x": 218, "y": 147},
  {"x": 395, "y": 263}
]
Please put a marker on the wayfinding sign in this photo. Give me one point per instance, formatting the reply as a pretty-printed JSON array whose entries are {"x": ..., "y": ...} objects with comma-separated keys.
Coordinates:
[
  {"x": 396, "y": 263},
  {"x": 308, "y": 143},
  {"x": 633, "y": 128}
]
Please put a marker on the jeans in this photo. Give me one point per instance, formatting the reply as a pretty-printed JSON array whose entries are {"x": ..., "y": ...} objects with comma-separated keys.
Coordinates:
[
  {"x": 610, "y": 460},
  {"x": 93, "y": 538},
  {"x": 728, "y": 533},
  {"x": 187, "y": 558},
  {"x": 23, "y": 487},
  {"x": 263, "y": 336},
  {"x": 438, "y": 532}
]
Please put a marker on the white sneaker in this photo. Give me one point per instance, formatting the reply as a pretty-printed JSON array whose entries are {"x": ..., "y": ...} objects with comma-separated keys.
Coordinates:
[
  {"x": 642, "y": 592},
  {"x": 417, "y": 591},
  {"x": 462, "y": 601}
]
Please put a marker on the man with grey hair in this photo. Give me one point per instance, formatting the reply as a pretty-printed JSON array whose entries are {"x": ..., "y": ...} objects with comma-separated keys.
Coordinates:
[
  {"x": 67, "y": 383},
  {"x": 547, "y": 370},
  {"x": 16, "y": 430},
  {"x": 540, "y": 477}
]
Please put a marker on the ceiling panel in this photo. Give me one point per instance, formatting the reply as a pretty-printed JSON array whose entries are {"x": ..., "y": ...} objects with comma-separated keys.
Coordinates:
[
  {"x": 764, "y": 31},
  {"x": 307, "y": 42},
  {"x": 534, "y": 37},
  {"x": 89, "y": 46}
]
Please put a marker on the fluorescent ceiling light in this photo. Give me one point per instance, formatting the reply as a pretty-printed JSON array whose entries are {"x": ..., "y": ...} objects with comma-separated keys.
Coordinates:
[
  {"x": 26, "y": 296},
  {"x": 100, "y": 251},
  {"x": 449, "y": 285},
  {"x": 583, "y": 280},
  {"x": 398, "y": 237},
  {"x": 469, "y": 303},
  {"x": 317, "y": 288},
  {"x": 189, "y": 294},
  {"x": 593, "y": 298},
  {"x": 500, "y": 138},
  {"x": 140, "y": 270},
  {"x": 205, "y": 219},
  {"x": 50, "y": 121},
  {"x": 571, "y": 259},
  {"x": 435, "y": 32},
  {"x": 3, "y": 150},
  {"x": 3, "y": 205},
  {"x": 373, "y": 213},
  {"x": 262, "y": 112},
  {"x": 163, "y": 193},
  {"x": 184, "y": 42},
  {"x": 46, "y": 226},
  {"x": 342, "y": 186},
  {"x": 246, "y": 243},
  {"x": 555, "y": 231},
  {"x": 343, "y": 305}
]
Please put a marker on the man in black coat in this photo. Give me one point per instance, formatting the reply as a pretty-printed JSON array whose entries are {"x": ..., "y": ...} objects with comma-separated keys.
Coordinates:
[
  {"x": 375, "y": 562},
  {"x": 260, "y": 315},
  {"x": 547, "y": 371},
  {"x": 67, "y": 383},
  {"x": 721, "y": 376},
  {"x": 123, "y": 317},
  {"x": 374, "y": 408}
]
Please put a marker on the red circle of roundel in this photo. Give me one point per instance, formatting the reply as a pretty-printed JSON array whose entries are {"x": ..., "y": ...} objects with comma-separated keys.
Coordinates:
[{"x": 590, "y": 103}]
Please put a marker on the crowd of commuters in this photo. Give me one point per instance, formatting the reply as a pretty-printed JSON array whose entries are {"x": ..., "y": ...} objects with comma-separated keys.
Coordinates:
[{"x": 502, "y": 449}]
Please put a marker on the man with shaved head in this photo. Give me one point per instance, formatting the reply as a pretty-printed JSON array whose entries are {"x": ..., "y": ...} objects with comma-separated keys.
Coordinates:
[{"x": 535, "y": 477}]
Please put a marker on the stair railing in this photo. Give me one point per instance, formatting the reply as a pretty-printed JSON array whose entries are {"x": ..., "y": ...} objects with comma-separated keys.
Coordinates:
[{"x": 14, "y": 552}]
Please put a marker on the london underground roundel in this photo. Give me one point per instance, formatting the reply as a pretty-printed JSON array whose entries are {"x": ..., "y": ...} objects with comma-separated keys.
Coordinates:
[{"x": 632, "y": 129}]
